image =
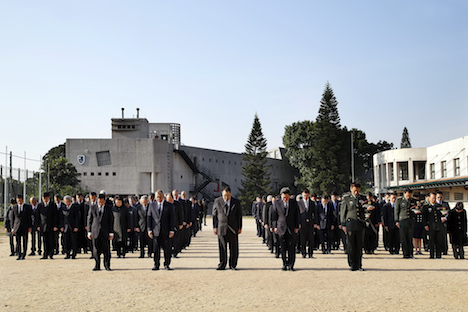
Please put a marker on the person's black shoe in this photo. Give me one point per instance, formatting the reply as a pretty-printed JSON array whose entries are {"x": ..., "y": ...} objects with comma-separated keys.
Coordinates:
[
  {"x": 73, "y": 257},
  {"x": 96, "y": 268},
  {"x": 233, "y": 268},
  {"x": 292, "y": 269},
  {"x": 51, "y": 257},
  {"x": 176, "y": 256},
  {"x": 220, "y": 268},
  {"x": 155, "y": 268},
  {"x": 277, "y": 256},
  {"x": 284, "y": 268},
  {"x": 141, "y": 256},
  {"x": 91, "y": 257},
  {"x": 303, "y": 256},
  {"x": 119, "y": 256},
  {"x": 12, "y": 254},
  {"x": 39, "y": 252},
  {"x": 19, "y": 258},
  {"x": 32, "y": 253},
  {"x": 354, "y": 269},
  {"x": 43, "y": 257},
  {"x": 67, "y": 257},
  {"x": 168, "y": 268},
  {"x": 108, "y": 269}
]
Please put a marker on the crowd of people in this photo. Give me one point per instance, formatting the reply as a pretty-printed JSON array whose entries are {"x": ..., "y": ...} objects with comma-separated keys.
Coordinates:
[
  {"x": 72, "y": 225},
  {"x": 353, "y": 223},
  {"x": 287, "y": 224}
]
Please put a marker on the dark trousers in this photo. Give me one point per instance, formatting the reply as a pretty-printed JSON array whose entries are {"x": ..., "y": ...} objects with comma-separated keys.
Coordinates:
[
  {"x": 101, "y": 245},
  {"x": 83, "y": 240},
  {"x": 444, "y": 230},
  {"x": 145, "y": 241},
  {"x": 307, "y": 240},
  {"x": 70, "y": 242},
  {"x": 12, "y": 244},
  {"x": 406, "y": 237},
  {"x": 393, "y": 240},
  {"x": 177, "y": 242},
  {"x": 120, "y": 247},
  {"x": 233, "y": 241},
  {"x": 36, "y": 237},
  {"x": 22, "y": 241},
  {"x": 344, "y": 239},
  {"x": 288, "y": 246},
  {"x": 326, "y": 239},
  {"x": 370, "y": 242},
  {"x": 49, "y": 240},
  {"x": 436, "y": 243},
  {"x": 276, "y": 244},
  {"x": 354, "y": 248},
  {"x": 164, "y": 242}
]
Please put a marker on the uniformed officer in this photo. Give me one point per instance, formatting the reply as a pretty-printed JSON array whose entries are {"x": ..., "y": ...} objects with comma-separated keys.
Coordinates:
[
  {"x": 353, "y": 223},
  {"x": 433, "y": 222},
  {"x": 405, "y": 222}
]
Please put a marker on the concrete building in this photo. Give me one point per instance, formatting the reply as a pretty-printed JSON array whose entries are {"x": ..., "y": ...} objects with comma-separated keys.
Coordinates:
[
  {"x": 142, "y": 157},
  {"x": 442, "y": 167}
]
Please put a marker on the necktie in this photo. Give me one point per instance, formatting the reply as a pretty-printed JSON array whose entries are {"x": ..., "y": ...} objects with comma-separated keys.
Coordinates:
[
  {"x": 20, "y": 209},
  {"x": 100, "y": 211},
  {"x": 159, "y": 208},
  {"x": 226, "y": 207},
  {"x": 286, "y": 204}
]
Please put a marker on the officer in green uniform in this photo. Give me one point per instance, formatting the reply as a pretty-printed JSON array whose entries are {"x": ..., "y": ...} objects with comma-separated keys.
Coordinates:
[
  {"x": 353, "y": 223},
  {"x": 433, "y": 222},
  {"x": 405, "y": 222}
]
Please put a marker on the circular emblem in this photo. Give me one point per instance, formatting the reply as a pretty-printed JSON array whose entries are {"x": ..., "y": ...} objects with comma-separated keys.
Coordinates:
[{"x": 81, "y": 159}]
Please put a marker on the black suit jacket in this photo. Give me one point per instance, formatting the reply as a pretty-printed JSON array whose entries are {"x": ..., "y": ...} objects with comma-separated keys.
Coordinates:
[
  {"x": 161, "y": 224},
  {"x": 70, "y": 218},
  {"x": 179, "y": 211},
  {"x": 100, "y": 225},
  {"x": 325, "y": 220},
  {"x": 285, "y": 222},
  {"x": 388, "y": 216},
  {"x": 21, "y": 221},
  {"x": 47, "y": 217},
  {"x": 307, "y": 217}
]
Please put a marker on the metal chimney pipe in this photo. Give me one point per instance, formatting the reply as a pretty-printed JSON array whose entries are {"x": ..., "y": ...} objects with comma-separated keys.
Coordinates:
[
  {"x": 123, "y": 109},
  {"x": 138, "y": 113}
]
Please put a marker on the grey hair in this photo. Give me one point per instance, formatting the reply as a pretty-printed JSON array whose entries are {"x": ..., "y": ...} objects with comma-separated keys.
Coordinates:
[{"x": 67, "y": 197}]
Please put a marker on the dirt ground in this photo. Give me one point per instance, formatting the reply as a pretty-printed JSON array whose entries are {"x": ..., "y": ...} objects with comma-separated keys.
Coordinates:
[{"x": 321, "y": 284}]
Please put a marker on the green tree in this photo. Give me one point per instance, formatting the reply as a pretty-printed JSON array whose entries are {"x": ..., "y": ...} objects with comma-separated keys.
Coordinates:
[
  {"x": 405, "y": 140},
  {"x": 60, "y": 176},
  {"x": 298, "y": 139},
  {"x": 330, "y": 172},
  {"x": 255, "y": 171}
]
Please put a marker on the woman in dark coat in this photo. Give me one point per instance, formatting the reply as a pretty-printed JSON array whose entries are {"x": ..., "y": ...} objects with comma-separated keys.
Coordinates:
[
  {"x": 456, "y": 227},
  {"x": 121, "y": 226}
]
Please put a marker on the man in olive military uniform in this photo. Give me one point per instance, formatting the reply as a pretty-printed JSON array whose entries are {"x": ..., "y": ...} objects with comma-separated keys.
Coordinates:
[
  {"x": 433, "y": 222},
  {"x": 354, "y": 225},
  {"x": 405, "y": 222}
]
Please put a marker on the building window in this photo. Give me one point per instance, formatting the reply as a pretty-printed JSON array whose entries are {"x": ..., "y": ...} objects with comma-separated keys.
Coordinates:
[
  {"x": 458, "y": 196},
  {"x": 229, "y": 162},
  {"x": 419, "y": 170},
  {"x": 209, "y": 160},
  {"x": 391, "y": 171},
  {"x": 443, "y": 169},
  {"x": 114, "y": 174},
  {"x": 403, "y": 171},
  {"x": 107, "y": 174},
  {"x": 203, "y": 159},
  {"x": 456, "y": 166},
  {"x": 103, "y": 158},
  {"x": 181, "y": 177},
  {"x": 222, "y": 161},
  {"x": 432, "y": 171},
  {"x": 85, "y": 174},
  {"x": 92, "y": 173},
  {"x": 99, "y": 173},
  {"x": 216, "y": 161}
]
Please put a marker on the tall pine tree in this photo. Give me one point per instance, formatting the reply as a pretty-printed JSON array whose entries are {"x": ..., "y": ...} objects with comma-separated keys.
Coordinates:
[
  {"x": 405, "y": 140},
  {"x": 330, "y": 170},
  {"x": 255, "y": 171}
]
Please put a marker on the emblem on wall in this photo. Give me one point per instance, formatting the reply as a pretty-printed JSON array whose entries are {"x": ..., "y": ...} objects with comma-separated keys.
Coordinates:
[{"x": 81, "y": 159}]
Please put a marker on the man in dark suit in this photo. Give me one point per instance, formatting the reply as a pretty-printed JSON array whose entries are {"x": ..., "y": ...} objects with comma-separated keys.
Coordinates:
[
  {"x": 142, "y": 228},
  {"x": 388, "y": 216},
  {"x": 161, "y": 227},
  {"x": 70, "y": 222},
  {"x": 308, "y": 223},
  {"x": 58, "y": 238},
  {"x": 338, "y": 232},
  {"x": 285, "y": 219},
  {"x": 82, "y": 233},
  {"x": 188, "y": 218},
  {"x": 7, "y": 224},
  {"x": 266, "y": 221},
  {"x": 445, "y": 206},
  {"x": 195, "y": 211},
  {"x": 227, "y": 224},
  {"x": 326, "y": 224},
  {"x": 47, "y": 222},
  {"x": 36, "y": 237},
  {"x": 433, "y": 221},
  {"x": 353, "y": 223},
  {"x": 101, "y": 231},
  {"x": 21, "y": 225},
  {"x": 179, "y": 219}
]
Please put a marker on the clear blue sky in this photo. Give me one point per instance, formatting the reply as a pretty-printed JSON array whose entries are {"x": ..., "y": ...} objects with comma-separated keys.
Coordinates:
[{"x": 67, "y": 67}]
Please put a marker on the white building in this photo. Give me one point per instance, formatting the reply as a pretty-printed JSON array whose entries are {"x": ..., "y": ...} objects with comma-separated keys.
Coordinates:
[
  {"x": 142, "y": 157},
  {"x": 442, "y": 167}
]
